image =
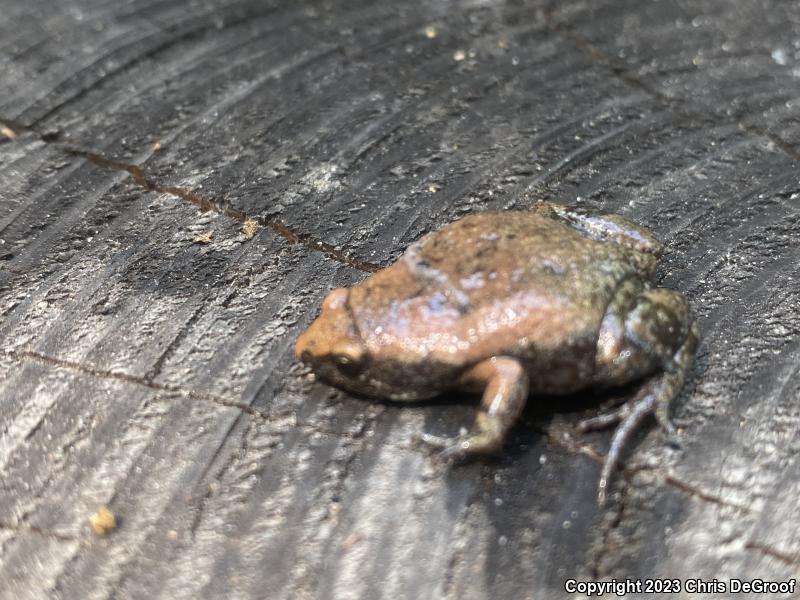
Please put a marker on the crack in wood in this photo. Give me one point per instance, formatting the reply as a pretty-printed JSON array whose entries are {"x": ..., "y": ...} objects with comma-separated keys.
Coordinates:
[
  {"x": 48, "y": 533},
  {"x": 597, "y": 55},
  {"x": 793, "y": 560},
  {"x": 629, "y": 471},
  {"x": 204, "y": 203},
  {"x": 131, "y": 379},
  {"x": 680, "y": 106},
  {"x": 277, "y": 421},
  {"x": 694, "y": 491}
]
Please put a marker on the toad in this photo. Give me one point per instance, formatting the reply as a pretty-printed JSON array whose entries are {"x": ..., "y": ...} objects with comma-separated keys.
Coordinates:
[{"x": 546, "y": 301}]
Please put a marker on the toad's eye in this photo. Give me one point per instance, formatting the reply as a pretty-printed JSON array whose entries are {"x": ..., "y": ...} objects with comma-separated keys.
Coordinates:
[
  {"x": 349, "y": 357},
  {"x": 349, "y": 365}
]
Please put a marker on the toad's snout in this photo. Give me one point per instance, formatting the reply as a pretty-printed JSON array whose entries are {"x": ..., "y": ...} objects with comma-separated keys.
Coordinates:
[
  {"x": 306, "y": 344},
  {"x": 327, "y": 333}
]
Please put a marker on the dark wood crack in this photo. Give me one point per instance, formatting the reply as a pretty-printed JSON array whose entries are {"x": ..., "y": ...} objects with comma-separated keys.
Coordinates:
[
  {"x": 678, "y": 105},
  {"x": 204, "y": 203},
  {"x": 790, "y": 559}
]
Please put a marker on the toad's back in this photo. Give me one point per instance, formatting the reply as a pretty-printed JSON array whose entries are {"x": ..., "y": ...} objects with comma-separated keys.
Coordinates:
[
  {"x": 512, "y": 283},
  {"x": 491, "y": 256}
]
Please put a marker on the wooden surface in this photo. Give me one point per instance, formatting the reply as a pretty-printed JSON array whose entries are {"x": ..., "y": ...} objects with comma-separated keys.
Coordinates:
[{"x": 154, "y": 375}]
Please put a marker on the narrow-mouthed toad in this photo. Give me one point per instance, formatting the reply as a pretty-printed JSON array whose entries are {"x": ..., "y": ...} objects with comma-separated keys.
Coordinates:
[{"x": 546, "y": 301}]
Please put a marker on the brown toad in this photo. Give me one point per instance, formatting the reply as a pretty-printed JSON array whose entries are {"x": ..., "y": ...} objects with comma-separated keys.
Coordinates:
[{"x": 546, "y": 301}]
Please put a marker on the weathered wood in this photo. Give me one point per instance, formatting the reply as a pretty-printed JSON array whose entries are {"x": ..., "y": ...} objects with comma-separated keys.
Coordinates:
[{"x": 145, "y": 372}]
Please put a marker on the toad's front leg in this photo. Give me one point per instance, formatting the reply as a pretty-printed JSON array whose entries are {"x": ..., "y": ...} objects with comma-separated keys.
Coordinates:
[{"x": 505, "y": 389}]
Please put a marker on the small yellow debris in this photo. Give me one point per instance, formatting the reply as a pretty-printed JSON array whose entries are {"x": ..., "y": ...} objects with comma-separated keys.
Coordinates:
[
  {"x": 430, "y": 32},
  {"x": 172, "y": 535},
  {"x": 8, "y": 132},
  {"x": 203, "y": 238},
  {"x": 459, "y": 55},
  {"x": 103, "y": 521},
  {"x": 249, "y": 228},
  {"x": 156, "y": 146}
]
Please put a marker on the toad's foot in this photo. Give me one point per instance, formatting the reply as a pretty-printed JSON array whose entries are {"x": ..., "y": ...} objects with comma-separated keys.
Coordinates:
[
  {"x": 644, "y": 404},
  {"x": 655, "y": 399},
  {"x": 505, "y": 391}
]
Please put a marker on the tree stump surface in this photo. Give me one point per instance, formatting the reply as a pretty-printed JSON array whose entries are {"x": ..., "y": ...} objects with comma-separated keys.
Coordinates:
[{"x": 146, "y": 343}]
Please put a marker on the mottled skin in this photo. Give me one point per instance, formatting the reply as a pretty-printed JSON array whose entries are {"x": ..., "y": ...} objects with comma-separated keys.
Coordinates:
[{"x": 546, "y": 301}]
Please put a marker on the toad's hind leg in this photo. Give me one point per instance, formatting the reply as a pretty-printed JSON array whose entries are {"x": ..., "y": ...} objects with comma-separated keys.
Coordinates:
[
  {"x": 505, "y": 389},
  {"x": 658, "y": 330}
]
